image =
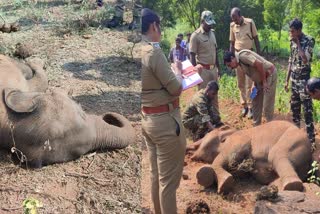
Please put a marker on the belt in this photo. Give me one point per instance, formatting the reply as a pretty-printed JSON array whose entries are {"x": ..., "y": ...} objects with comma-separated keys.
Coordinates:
[
  {"x": 162, "y": 108},
  {"x": 251, "y": 49},
  {"x": 208, "y": 66}
]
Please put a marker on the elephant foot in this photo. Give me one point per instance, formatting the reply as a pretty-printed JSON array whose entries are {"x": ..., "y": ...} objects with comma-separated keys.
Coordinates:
[
  {"x": 292, "y": 184},
  {"x": 206, "y": 176},
  {"x": 225, "y": 184}
]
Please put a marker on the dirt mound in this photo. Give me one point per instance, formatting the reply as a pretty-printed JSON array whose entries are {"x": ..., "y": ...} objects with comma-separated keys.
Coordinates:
[{"x": 198, "y": 206}]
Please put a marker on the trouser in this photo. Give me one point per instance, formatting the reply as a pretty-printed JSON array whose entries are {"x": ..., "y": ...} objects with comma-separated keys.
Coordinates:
[
  {"x": 264, "y": 102},
  {"x": 300, "y": 97},
  {"x": 166, "y": 153},
  {"x": 119, "y": 9},
  {"x": 208, "y": 75},
  {"x": 244, "y": 85}
]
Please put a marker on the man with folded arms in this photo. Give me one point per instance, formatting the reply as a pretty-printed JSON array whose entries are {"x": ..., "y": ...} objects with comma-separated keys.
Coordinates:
[
  {"x": 203, "y": 52},
  {"x": 264, "y": 75}
]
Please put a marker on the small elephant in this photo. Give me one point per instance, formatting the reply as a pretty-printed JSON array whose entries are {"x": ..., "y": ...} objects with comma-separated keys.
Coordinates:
[
  {"x": 44, "y": 127},
  {"x": 277, "y": 149}
]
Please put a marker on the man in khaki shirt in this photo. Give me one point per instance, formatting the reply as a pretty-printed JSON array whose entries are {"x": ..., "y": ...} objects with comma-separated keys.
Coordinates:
[
  {"x": 161, "y": 121},
  {"x": 203, "y": 52},
  {"x": 264, "y": 75},
  {"x": 242, "y": 33}
]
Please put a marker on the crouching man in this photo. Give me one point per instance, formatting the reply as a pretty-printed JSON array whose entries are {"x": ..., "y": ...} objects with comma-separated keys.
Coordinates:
[{"x": 200, "y": 117}]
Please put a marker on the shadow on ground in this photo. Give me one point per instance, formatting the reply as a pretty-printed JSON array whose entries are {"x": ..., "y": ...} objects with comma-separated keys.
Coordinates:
[{"x": 101, "y": 69}]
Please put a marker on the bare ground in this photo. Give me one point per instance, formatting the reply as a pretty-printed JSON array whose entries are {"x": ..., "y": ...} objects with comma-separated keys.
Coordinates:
[
  {"x": 102, "y": 76},
  {"x": 241, "y": 199}
]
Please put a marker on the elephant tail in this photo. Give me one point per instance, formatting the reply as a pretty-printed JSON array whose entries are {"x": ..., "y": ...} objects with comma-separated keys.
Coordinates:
[{"x": 113, "y": 131}]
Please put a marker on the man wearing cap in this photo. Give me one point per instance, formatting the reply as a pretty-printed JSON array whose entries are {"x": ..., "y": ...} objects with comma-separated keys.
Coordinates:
[
  {"x": 243, "y": 32},
  {"x": 177, "y": 52},
  {"x": 118, "y": 16},
  {"x": 161, "y": 120},
  {"x": 264, "y": 75},
  {"x": 203, "y": 52},
  {"x": 200, "y": 117}
]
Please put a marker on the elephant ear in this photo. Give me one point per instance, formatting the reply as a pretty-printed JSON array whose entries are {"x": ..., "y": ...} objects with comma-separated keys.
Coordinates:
[{"x": 21, "y": 102}]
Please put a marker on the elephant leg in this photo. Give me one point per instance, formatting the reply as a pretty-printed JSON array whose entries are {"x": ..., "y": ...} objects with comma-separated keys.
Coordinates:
[
  {"x": 224, "y": 179},
  {"x": 193, "y": 146},
  {"x": 288, "y": 176}
]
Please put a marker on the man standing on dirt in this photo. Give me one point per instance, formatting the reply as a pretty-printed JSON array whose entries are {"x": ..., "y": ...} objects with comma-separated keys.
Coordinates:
[
  {"x": 203, "y": 52},
  {"x": 161, "y": 120},
  {"x": 299, "y": 70},
  {"x": 118, "y": 16},
  {"x": 242, "y": 33},
  {"x": 177, "y": 52},
  {"x": 200, "y": 117},
  {"x": 264, "y": 75}
]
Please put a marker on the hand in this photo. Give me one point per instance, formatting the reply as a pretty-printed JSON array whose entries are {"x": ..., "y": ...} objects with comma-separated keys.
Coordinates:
[
  {"x": 295, "y": 39},
  {"x": 178, "y": 64},
  {"x": 198, "y": 68},
  {"x": 286, "y": 87},
  {"x": 266, "y": 87}
]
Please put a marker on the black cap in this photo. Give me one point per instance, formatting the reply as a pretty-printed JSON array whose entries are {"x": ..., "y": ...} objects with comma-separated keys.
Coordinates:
[
  {"x": 149, "y": 16},
  {"x": 313, "y": 84}
]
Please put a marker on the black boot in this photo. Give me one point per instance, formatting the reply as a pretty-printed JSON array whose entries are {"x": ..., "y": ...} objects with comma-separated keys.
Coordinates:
[{"x": 114, "y": 22}]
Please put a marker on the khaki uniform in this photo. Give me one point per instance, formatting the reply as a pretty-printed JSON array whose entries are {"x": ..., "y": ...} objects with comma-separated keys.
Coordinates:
[
  {"x": 204, "y": 45},
  {"x": 198, "y": 113},
  {"x": 163, "y": 132},
  {"x": 242, "y": 35},
  {"x": 263, "y": 101}
]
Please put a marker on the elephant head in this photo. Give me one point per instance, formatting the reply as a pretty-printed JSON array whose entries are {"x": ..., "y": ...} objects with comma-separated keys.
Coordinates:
[
  {"x": 49, "y": 127},
  {"x": 209, "y": 146}
]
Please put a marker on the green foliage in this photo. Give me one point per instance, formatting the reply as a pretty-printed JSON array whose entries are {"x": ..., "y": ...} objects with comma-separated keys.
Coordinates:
[
  {"x": 31, "y": 205},
  {"x": 312, "y": 173},
  {"x": 228, "y": 88},
  {"x": 274, "y": 14}
]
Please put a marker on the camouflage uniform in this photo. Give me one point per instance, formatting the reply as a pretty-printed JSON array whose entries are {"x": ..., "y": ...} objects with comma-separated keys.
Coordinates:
[
  {"x": 299, "y": 77},
  {"x": 119, "y": 9},
  {"x": 198, "y": 113}
]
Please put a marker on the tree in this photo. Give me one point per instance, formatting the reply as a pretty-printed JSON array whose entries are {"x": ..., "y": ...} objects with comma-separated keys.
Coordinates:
[{"x": 275, "y": 13}]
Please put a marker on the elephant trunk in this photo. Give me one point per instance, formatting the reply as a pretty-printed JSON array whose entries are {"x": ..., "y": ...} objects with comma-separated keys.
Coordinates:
[{"x": 113, "y": 131}]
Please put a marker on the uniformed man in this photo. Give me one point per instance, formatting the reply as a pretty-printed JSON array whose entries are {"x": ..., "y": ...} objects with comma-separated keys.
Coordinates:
[
  {"x": 243, "y": 32},
  {"x": 200, "y": 117},
  {"x": 118, "y": 16},
  {"x": 299, "y": 69},
  {"x": 264, "y": 75},
  {"x": 313, "y": 88},
  {"x": 161, "y": 120},
  {"x": 203, "y": 52}
]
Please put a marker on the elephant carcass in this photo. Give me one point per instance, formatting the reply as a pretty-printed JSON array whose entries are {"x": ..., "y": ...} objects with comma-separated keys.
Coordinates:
[
  {"x": 46, "y": 126},
  {"x": 277, "y": 149}
]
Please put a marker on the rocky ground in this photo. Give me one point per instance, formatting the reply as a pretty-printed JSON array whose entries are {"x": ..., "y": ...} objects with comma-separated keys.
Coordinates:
[{"x": 98, "y": 68}]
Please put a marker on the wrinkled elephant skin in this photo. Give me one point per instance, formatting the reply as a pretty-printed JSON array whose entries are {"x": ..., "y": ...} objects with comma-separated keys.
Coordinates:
[
  {"x": 46, "y": 126},
  {"x": 277, "y": 149}
]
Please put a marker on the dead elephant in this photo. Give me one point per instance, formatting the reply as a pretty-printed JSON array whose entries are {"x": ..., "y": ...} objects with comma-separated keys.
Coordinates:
[
  {"x": 277, "y": 149},
  {"x": 46, "y": 127}
]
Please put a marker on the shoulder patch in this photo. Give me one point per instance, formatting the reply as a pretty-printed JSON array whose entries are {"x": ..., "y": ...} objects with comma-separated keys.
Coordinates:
[{"x": 155, "y": 45}]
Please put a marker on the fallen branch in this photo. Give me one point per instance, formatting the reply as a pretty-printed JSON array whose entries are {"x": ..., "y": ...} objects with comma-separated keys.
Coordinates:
[
  {"x": 10, "y": 209},
  {"x": 79, "y": 175}
]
